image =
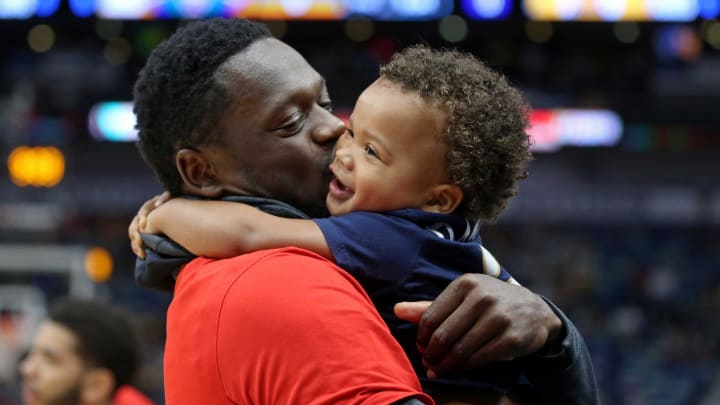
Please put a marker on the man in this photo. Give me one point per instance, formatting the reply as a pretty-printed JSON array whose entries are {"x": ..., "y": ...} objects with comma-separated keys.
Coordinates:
[
  {"x": 83, "y": 354},
  {"x": 225, "y": 110}
]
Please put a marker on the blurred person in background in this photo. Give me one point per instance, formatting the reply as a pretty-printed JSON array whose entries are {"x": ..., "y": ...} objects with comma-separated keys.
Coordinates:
[
  {"x": 85, "y": 353},
  {"x": 225, "y": 110}
]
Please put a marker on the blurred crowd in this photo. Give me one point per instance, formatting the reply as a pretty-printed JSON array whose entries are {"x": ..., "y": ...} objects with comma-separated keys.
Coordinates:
[{"x": 644, "y": 298}]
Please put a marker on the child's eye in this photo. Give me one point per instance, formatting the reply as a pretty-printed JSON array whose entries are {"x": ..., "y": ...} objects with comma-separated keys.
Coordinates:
[{"x": 370, "y": 151}]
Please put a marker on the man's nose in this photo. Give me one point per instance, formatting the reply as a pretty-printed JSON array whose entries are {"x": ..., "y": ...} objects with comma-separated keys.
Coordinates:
[{"x": 328, "y": 129}]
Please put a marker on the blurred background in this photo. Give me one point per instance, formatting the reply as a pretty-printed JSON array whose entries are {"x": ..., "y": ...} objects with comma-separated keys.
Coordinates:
[{"x": 618, "y": 223}]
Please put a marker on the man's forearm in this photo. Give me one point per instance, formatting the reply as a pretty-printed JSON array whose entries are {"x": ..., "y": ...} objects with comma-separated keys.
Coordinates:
[{"x": 565, "y": 376}]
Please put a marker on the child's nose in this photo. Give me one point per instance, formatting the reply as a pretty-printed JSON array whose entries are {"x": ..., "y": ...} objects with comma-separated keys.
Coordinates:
[{"x": 343, "y": 153}]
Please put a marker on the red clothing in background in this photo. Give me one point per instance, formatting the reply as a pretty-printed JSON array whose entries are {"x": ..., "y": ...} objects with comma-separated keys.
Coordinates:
[
  {"x": 128, "y": 395},
  {"x": 282, "y": 326}
]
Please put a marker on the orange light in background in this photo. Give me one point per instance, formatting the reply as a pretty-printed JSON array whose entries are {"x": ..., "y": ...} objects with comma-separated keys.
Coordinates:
[
  {"x": 282, "y": 10},
  {"x": 38, "y": 166},
  {"x": 98, "y": 264}
]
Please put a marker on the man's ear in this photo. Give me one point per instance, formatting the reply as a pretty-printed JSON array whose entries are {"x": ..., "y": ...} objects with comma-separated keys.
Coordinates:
[
  {"x": 198, "y": 175},
  {"x": 444, "y": 198},
  {"x": 97, "y": 386}
]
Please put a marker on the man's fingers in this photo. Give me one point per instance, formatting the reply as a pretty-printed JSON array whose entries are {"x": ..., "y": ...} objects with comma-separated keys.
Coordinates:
[
  {"x": 492, "y": 352},
  {"x": 448, "y": 334},
  {"x": 411, "y": 311},
  {"x": 470, "y": 346},
  {"x": 444, "y": 305}
]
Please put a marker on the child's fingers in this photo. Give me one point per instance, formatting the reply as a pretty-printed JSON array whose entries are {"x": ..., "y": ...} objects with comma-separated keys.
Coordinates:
[
  {"x": 137, "y": 247},
  {"x": 160, "y": 199}
]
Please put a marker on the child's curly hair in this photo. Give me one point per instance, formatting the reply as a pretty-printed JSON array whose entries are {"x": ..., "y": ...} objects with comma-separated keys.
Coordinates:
[{"x": 486, "y": 138}]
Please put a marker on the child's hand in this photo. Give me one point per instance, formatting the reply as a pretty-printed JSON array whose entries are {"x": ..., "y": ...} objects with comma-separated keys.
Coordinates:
[{"x": 140, "y": 223}]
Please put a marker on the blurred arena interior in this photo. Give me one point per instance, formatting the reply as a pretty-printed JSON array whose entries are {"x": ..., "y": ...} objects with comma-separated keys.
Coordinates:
[{"x": 618, "y": 223}]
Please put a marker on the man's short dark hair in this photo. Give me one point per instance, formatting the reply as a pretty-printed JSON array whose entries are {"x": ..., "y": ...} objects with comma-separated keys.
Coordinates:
[
  {"x": 486, "y": 138},
  {"x": 105, "y": 336},
  {"x": 178, "y": 100}
]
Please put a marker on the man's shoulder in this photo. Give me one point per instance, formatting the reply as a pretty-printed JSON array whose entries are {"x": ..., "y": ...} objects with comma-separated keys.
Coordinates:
[
  {"x": 207, "y": 270},
  {"x": 268, "y": 276},
  {"x": 249, "y": 259},
  {"x": 209, "y": 280}
]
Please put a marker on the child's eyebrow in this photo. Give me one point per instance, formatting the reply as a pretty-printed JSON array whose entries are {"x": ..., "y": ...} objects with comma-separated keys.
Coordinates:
[
  {"x": 378, "y": 140},
  {"x": 373, "y": 137}
]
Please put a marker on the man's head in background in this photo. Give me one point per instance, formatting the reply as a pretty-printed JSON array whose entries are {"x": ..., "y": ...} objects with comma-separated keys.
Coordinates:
[
  {"x": 81, "y": 354},
  {"x": 224, "y": 108}
]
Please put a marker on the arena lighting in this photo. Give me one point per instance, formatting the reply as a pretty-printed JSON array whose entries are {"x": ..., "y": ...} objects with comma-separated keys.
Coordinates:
[
  {"x": 674, "y": 10},
  {"x": 83, "y": 265},
  {"x": 124, "y": 9},
  {"x": 46, "y": 8},
  {"x": 112, "y": 121},
  {"x": 82, "y": 8},
  {"x": 618, "y": 10},
  {"x": 487, "y": 9},
  {"x": 24, "y": 9},
  {"x": 416, "y": 8},
  {"x": 267, "y": 9},
  {"x": 365, "y": 7},
  {"x": 552, "y": 129},
  {"x": 37, "y": 166},
  {"x": 613, "y": 10},
  {"x": 676, "y": 42},
  {"x": 709, "y": 9},
  {"x": 98, "y": 264},
  {"x": 289, "y": 10}
]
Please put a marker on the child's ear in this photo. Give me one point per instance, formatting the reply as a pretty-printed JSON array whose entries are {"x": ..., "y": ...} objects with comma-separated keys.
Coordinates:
[
  {"x": 444, "y": 198},
  {"x": 198, "y": 175}
]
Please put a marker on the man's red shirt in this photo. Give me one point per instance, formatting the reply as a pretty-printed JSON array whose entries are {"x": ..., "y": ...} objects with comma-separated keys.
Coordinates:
[{"x": 282, "y": 326}]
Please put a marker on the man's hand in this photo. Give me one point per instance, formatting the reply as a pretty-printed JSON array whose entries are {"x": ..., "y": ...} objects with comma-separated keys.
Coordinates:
[
  {"x": 478, "y": 320},
  {"x": 139, "y": 223}
]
